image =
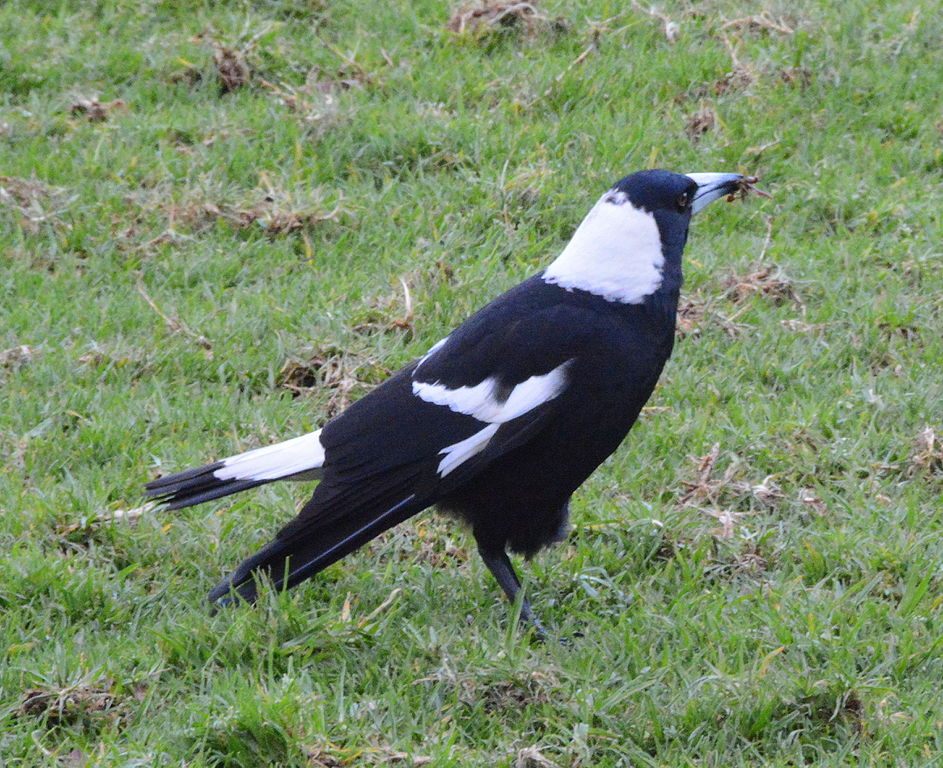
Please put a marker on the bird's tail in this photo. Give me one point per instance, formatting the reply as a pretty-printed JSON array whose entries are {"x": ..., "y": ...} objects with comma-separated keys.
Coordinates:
[
  {"x": 298, "y": 459},
  {"x": 312, "y": 542}
]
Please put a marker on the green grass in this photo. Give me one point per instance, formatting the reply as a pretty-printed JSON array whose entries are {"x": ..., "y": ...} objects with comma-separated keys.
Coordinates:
[{"x": 169, "y": 266}]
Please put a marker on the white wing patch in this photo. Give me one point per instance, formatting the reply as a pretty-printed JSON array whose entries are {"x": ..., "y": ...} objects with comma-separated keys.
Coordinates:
[
  {"x": 460, "y": 452},
  {"x": 480, "y": 401},
  {"x": 303, "y": 454},
  {"x": 614, "y": 253}
]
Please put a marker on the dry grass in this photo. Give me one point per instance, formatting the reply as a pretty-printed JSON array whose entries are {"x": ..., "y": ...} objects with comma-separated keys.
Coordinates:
[
  {"x": 768, "y": 282},
  {"x": 96, "y": 111},
  {"x": 495, "y": 13},
  {"x": 926, "y": 458},
  {"x": 704, "y": 120}
]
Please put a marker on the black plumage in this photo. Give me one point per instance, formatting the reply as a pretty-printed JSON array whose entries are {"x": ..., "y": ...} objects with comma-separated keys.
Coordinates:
[{"x": 501, "y": 421}]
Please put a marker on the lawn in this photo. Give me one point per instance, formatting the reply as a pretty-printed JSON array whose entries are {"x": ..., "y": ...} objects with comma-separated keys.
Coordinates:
[{"x": 222, "y": 222}]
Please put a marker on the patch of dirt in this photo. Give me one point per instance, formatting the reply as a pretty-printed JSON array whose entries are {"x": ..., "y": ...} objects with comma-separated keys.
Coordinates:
[
  {"x": 96, "y": 111},
  {"x": 23, "y": 192},
  {"x": 798, "y": 77},
  {"x": 691, "y": 312},
  {"x": 18, "y": 357},
  {"x": 333, "y": 370},
  {"x": 762, "y": 22},
  {"x": 700, "y": 122},
  {"x": 738, "y": 79},
  {"x": 231, "y": 68},
  {"x": 908, "y": 332},
  {"x": 490, "y": 14},
  {"x": 733, "y": 558},
  {"x": 750, "y": 561},
  {"x": 511, "y": 696},
  {"x": 35, "y": 202},
  {"x": 696, "y": 313},
  {"x": 767, "y": 281},
  {"x": 67, "y": 704},
  {"x": 274, "y": 215},
  {"x": 230, "y": 62},
  {"x": 530, "y": 688}
]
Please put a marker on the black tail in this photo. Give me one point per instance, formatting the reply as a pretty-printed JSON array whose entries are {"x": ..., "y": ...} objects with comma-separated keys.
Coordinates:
[
  {"x": 300, "y": 458},
  {"x": 194, "y": 486},
  {"x": 308, "y": 545}
]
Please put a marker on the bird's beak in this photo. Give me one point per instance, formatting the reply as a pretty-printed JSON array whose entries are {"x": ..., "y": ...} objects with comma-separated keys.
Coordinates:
[{"x": 711, "y": 186}]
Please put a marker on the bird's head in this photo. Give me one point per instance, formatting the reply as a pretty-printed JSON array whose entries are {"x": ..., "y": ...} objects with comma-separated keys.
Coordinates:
[
  {"x": 673, "y": 198},
  {"x": 630, "y": 244}
]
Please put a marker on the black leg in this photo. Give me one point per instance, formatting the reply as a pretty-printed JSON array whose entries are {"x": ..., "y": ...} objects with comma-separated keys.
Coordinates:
[{"x": 500, "y": 566}]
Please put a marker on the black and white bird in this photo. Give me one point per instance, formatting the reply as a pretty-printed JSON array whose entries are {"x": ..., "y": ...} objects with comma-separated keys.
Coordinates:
[{"x": 502, "y": 420}]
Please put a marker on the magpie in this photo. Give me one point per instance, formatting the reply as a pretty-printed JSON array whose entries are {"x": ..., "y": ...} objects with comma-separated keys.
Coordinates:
[{"x": 500, "y": 421}]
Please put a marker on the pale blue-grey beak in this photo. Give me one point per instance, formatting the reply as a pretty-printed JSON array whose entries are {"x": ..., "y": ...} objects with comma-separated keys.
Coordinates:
[{"x": 711, "y": 186}]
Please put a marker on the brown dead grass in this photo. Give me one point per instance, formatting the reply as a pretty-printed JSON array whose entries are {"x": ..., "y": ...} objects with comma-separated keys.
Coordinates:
[
  {"x": 231, "y": 68},
  {"x": 767, "y": 282},
  {"x": 691, "y": 313},
  {"x": 700, "y": 122},
  {"x": 332, "y": 370},
  {"x": 738, "y": 79},
  {"x": 797, "y": 77},
  {"x": 926, "y": 457},
  {"x": 532, "y": 757},
  {"x": 35, "y": 202},
  {"x": 495, "y": 13},
  {"x": 514, "y": 694},
  {"x": 696, "y": 313},
  {"x": 67, "y": 704},
  {"x": 273, "y": 215},
  {"x": 320, "y": 758},
  {"x": 17, "y": 357},
  {"x": 811, "y": 501},
  {"x": 762, "y": 22},
  {"x": 707, "y": 488},
  {"x": 96, "y": 111}
]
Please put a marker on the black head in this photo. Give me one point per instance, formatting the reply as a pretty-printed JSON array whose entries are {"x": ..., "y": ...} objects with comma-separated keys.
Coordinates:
[
  {"x": 673, "y": 198},
  {"x": 629, "y": 246},
  {"x": 657, "y": 190}
]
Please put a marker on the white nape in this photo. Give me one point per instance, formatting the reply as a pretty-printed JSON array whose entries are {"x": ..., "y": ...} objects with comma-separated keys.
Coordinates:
[
  {"x": 480, "y": 401},
  {"x": 296, "y": 459},
  {"x": 615, "y": 253},
  {"x": 458, "y": 453}
]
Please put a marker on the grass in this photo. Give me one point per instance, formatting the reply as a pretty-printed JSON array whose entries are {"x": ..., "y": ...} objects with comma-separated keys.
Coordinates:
[{"x": 755, "y": 577}]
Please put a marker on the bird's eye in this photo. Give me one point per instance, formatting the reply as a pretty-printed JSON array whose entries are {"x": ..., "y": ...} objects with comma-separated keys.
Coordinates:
[{"x": 683, "y": 202}]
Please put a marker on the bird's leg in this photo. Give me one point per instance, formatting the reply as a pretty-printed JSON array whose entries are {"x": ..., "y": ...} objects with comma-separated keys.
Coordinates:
[{"x": 500, "y": 566}]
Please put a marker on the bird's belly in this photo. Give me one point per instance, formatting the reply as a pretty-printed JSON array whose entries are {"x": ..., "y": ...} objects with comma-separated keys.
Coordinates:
[{"x": 520, "y": 501}]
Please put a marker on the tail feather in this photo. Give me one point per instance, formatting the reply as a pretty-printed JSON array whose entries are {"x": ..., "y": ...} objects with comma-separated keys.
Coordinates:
[
  {"x": 298, "y": 459},
  {"x": 290, "y": 560}
]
